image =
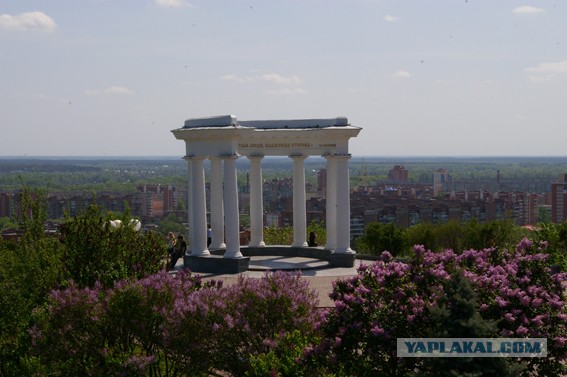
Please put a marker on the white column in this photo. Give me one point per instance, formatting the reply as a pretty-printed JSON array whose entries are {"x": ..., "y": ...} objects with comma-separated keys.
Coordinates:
[
  {"x": 231, "y": 208},
  {"x": 199, "y": 206},
  {"x": 189, "y": 204},
  {"x": 343, "y": 206},
  {"x": 331, "y": 203},
  {"x": 256, "y": 202},
  {"x": 299, "y": 212},
  {"x": 217, "y": 207}
]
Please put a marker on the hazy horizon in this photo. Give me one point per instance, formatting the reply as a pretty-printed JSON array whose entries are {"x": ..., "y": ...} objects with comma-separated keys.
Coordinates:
[{"x": 353, "y": 157}]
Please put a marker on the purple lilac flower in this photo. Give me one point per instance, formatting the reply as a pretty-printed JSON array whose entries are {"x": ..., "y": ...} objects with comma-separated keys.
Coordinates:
[
  {"x": 377, "y": 331},
  {"x": 521, "y": 331},
  {"x": 509, "y": 317},
  {"x": 501, "y": 302}
]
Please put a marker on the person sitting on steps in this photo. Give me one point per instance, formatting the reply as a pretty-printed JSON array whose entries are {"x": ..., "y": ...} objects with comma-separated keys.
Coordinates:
[{"x": 312, "y": 239}]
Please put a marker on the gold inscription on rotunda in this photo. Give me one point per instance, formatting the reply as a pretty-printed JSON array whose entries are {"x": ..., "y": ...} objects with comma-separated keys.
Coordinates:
[
  {"x": 284, "y": 145},
  {"x": 275, "y": 145}
]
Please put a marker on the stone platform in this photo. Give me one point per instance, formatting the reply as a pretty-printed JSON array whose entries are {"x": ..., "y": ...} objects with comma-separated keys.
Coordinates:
[{"x": 269, "y": 258}]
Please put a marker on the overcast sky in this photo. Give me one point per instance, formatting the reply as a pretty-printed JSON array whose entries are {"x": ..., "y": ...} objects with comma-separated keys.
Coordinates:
[{"x": 422, "y": 78}]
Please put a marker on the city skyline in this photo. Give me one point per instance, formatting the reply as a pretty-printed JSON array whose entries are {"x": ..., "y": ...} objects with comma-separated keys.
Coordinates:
[{"x": 437, "y": 78}]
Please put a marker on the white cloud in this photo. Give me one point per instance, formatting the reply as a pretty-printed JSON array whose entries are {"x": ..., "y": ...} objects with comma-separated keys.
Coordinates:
[
  {"x": 110, "y": 90},
  {"x": 36, "y": 21},
  {"x": 172, "y": 3},
  {"x": 390, "y": 18},
  {"x": 550, "y": 68},
  {"x": 402, "y": 75},
  {"x": 526, "y": 9},
  {"x": 237, "y": 78},
  {"x": 279, "y": 79},
  {"x": 118, "y": 90},
  {"x": 547, "y": 71}
]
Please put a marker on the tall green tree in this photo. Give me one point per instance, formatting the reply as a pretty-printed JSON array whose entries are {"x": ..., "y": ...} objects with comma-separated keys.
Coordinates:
[
  {"x": 172, "y": 224},
  {"x": 457, "y": 315},
  {"x": 556, "y": 237},
  {"x": 422, "y": 234},
  {"x": 29, "y": 269},
  {"x": 380, "y": 237},
  {"x": 450, "y": 235}
]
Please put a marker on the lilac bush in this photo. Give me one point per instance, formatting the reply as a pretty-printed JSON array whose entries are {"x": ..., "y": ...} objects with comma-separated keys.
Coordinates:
[
  {"x": 69, "y": 328},
  {"x": 110, "y": 331},
  {"x": 391, "y": 299},
  {"x": 221, "y": 329},
  {"x": 171, "y": 325}
]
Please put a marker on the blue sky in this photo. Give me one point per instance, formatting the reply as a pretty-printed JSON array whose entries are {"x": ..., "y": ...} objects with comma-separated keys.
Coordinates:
[{"x": 422, "y": 78}]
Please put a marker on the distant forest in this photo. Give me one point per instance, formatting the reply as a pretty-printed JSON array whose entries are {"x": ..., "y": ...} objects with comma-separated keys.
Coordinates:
[{"x": 124, "y": 174}]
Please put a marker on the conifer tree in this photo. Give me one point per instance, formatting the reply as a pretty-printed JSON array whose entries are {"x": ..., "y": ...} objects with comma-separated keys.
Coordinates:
[{"x": 457, "y": 315}]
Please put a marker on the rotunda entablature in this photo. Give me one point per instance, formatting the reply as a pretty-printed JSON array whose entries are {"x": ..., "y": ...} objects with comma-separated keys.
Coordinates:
[{"x": 225, "y": 135}]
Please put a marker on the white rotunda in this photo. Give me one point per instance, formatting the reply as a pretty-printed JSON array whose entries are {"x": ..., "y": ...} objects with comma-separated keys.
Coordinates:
[{"x": 224, "y": 139}]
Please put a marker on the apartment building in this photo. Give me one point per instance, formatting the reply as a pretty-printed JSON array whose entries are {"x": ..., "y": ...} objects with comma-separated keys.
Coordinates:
[{"x": 559, "y": 199}]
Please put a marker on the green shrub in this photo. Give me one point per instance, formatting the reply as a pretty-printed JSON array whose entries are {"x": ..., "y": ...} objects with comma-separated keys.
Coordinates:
[
  {"x": 96, "y": 251},
  {"x": 285, "y": 359},
  {"x": 380, "y": 237},
  {"x": 278, "y": 236},
  {"x": 29, "y": 269}
]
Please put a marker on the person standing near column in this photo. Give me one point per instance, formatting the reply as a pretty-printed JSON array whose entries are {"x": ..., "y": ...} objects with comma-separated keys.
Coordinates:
[
  {"x": 180, "y": 249},
  {"x": 170, "y": 247}
]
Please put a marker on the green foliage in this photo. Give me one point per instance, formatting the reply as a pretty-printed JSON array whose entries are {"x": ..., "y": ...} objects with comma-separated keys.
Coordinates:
[
  {"x": 285, "y": 359},
  {"x": 451, "y": 235},
  {"x": 457, "y": 315},
  {"x": 543, "y": 215},
  {"x": 244, "y": 219},
  {"x": 6, "y": 222},
  {"x": 398, "y": 240},
  {"x": 122, "y": 175},
  {"x": 172, "y": 224},
  {"x": 29, "y": 269},
  {"x": 422, "y": 234},
  {"x": 379, "y": 237},
  {"x": 278, "y": 236},
  {"x": 556, "y": 237},
  {"x": 87, "y": 251},
  {"x": 95, "y": 250},
  {"x": 284, "y": 235}
]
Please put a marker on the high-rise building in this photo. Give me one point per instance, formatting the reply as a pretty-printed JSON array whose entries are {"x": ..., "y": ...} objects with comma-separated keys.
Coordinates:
[
  {"x": 440, "y": 177},
  {"x": 322, "y": 182},
  {"x": 559, "y": 199},
  {"x": 5, "y": 199},
  {"x": 398, "y": 174}
]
